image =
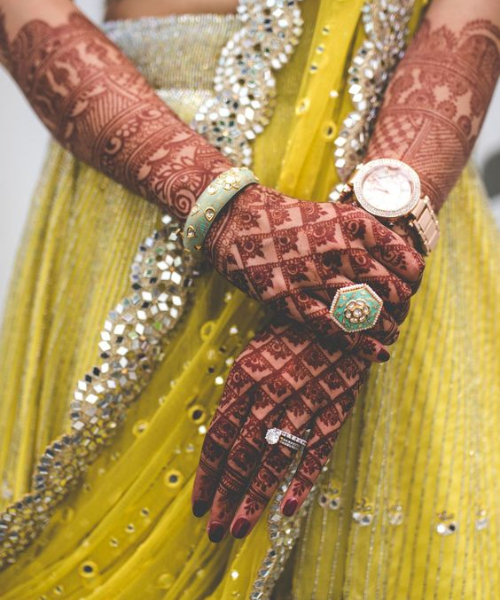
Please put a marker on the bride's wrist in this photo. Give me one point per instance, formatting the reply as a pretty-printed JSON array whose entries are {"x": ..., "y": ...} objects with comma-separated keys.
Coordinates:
[
  {"x": 409, "y": 235},
  {"x": 244, "y": 206}
]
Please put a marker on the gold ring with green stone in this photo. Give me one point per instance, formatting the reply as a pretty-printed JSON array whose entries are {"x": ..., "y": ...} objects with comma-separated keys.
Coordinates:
[
  {"x": 356, "y": 308},
  {"x": 222, "y": 189}
]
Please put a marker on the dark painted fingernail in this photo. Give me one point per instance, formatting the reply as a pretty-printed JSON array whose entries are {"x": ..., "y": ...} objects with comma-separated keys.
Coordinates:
[
  {"x": 215, "y": 532},
  {"x": 290, "y": 507},
  {"x": 383, "y": 355},
  {"x": 240, "y": 528},
  {"x": 200, "y": 507}
]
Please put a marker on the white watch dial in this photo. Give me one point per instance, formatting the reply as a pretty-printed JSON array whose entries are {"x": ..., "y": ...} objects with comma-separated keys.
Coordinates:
[{"x": 387, "y": 187}]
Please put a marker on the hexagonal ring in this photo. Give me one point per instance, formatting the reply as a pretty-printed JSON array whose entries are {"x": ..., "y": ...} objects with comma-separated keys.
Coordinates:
[{"x": 356, "y": 308}]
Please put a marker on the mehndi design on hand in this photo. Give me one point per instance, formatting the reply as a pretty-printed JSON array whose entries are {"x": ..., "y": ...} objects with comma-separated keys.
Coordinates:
[
  {"x": 97, "y": 105},
  {"x": 294, "y": 255},
  {"x": 285, "y": 378}
]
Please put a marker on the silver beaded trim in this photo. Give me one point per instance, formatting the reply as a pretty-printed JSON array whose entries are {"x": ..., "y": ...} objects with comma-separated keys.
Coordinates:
[
  {"x": 244, "y": 83},
  {"x": 283, "y": 533},
  {"x": 131, "y": 346},
  {"x": 386, "y": 27}
]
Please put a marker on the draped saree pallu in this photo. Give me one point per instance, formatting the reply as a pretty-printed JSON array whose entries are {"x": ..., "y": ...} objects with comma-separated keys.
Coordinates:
[{"x": 406, "y": 507}]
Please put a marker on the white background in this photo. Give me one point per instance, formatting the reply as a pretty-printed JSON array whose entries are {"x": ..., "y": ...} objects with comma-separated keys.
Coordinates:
[{"x": 23, "y": 142}]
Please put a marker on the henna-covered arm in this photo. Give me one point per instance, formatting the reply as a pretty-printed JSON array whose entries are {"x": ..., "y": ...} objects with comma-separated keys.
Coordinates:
[
  {"x": 96, "y": 103},
  {"x": 435, "y": 105},
  {"x": 98, "y": 106}
]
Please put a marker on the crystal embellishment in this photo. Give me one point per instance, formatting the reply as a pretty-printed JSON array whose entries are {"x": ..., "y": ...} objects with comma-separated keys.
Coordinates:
[
  {"x": 482, "y": 520},
  {"x": 362, "y": 513},
  {"x": 329, "y": 496},
  {"x": 283, "y": 533},
  {"x": 273, "y": 436},
  {"x": 132, "y": 342},
  {"x": 244, "y": 83},
  {"x": 395, "y": 515},
  {"x": 209, "y": 213},
  {"x": 386, "y": 27},
  {"x": 447, "y": 525}
]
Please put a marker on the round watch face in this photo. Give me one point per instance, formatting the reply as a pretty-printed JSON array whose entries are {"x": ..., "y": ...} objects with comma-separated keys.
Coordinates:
[{"x": 387, "y": 187}]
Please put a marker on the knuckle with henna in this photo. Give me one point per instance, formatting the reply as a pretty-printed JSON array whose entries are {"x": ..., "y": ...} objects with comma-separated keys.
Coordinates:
[
  {"x": 264, "y": 482},
  {"x": 222, "y": 431},
  {"x": 404, "y": 291},
  {"x": 254, "y": 502},
  {"x": 278, "y": 460},
  {"x": 390, "y": 331},
  {"x": 301, "y": 484},
  {"x": 244, "y": 457},
  {"x": 212, "y": 451}
]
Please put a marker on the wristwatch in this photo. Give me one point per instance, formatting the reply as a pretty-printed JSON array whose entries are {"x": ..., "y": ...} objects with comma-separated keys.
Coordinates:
[{"x": 390, "y": 190}]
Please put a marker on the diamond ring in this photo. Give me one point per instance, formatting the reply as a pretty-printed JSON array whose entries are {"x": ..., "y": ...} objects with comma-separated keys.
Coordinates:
[
  {"x": 278, "y": 436},
  {"x": 356, "y": 308}
]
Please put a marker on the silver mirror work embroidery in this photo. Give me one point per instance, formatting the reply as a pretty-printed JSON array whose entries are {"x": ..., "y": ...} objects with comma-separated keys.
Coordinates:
[
  {"x": 131, "y": 346},
  {"x": 244, "y": 83},
  {"x": 386, "y": 27},
  {"x": 283, "y": 533},
  {"x": 136, "y": 331}
]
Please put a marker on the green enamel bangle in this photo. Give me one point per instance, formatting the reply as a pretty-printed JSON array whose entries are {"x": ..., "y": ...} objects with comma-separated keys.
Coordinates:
[{"x": 222, "y": 189}]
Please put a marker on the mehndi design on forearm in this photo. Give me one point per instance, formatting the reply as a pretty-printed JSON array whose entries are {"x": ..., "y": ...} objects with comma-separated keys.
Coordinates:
[
  {"x": 99, "y": 107},
  {"x": 435, "y": 105}
]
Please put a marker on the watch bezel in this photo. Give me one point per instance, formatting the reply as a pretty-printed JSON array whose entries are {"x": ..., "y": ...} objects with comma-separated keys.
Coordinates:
[{"x": 363, "y": 171}]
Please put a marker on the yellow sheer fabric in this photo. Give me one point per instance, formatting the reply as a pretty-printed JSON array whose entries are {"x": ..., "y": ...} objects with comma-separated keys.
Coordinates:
[{"x": 407, "y": 507}]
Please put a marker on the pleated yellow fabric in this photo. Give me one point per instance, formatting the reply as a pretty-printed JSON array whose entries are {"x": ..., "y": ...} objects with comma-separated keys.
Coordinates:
[{"x": 407, "y": 508}]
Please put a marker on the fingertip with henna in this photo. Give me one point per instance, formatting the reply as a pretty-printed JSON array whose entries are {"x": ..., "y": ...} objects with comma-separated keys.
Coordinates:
[
  {"x": 290, "y": 507},
  {"x": 240, "y": 528},
  {"x": 200, "y": 507},
  {"x": 215, "y": 532},
  {"x": 383, "y": 355}
]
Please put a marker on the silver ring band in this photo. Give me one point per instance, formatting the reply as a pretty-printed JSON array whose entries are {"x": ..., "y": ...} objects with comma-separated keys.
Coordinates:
[
  {"x": 278, "y": 436},
  {"x": 289, "y": 444}
]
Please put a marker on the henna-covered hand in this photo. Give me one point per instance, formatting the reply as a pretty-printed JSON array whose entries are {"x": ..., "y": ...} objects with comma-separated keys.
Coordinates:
[
  {"x": 294, "y": 255},
  {"x": 99, "y": 106},
  {"x": 285, "y": 378}
]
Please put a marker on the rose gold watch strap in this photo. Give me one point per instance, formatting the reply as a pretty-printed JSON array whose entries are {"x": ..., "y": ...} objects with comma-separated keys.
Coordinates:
[
  {"x": 426, "y": 224},
  {"x": 422, "y": 218}
]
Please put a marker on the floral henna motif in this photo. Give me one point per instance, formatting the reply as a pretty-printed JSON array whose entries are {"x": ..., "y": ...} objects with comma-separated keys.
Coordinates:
[
  {"x": 285, "y": 378},
  {"x": 294, "y": 256},
  {"x": 99, "y": 107},
  {"x": 435, "y": 105}
]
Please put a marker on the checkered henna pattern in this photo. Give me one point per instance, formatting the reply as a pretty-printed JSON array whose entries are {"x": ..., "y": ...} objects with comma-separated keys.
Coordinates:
[
  {"x": 294, "y": 255},
  {"x": 96, "y": 103},
  {"x": 285, "y": 378}
]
